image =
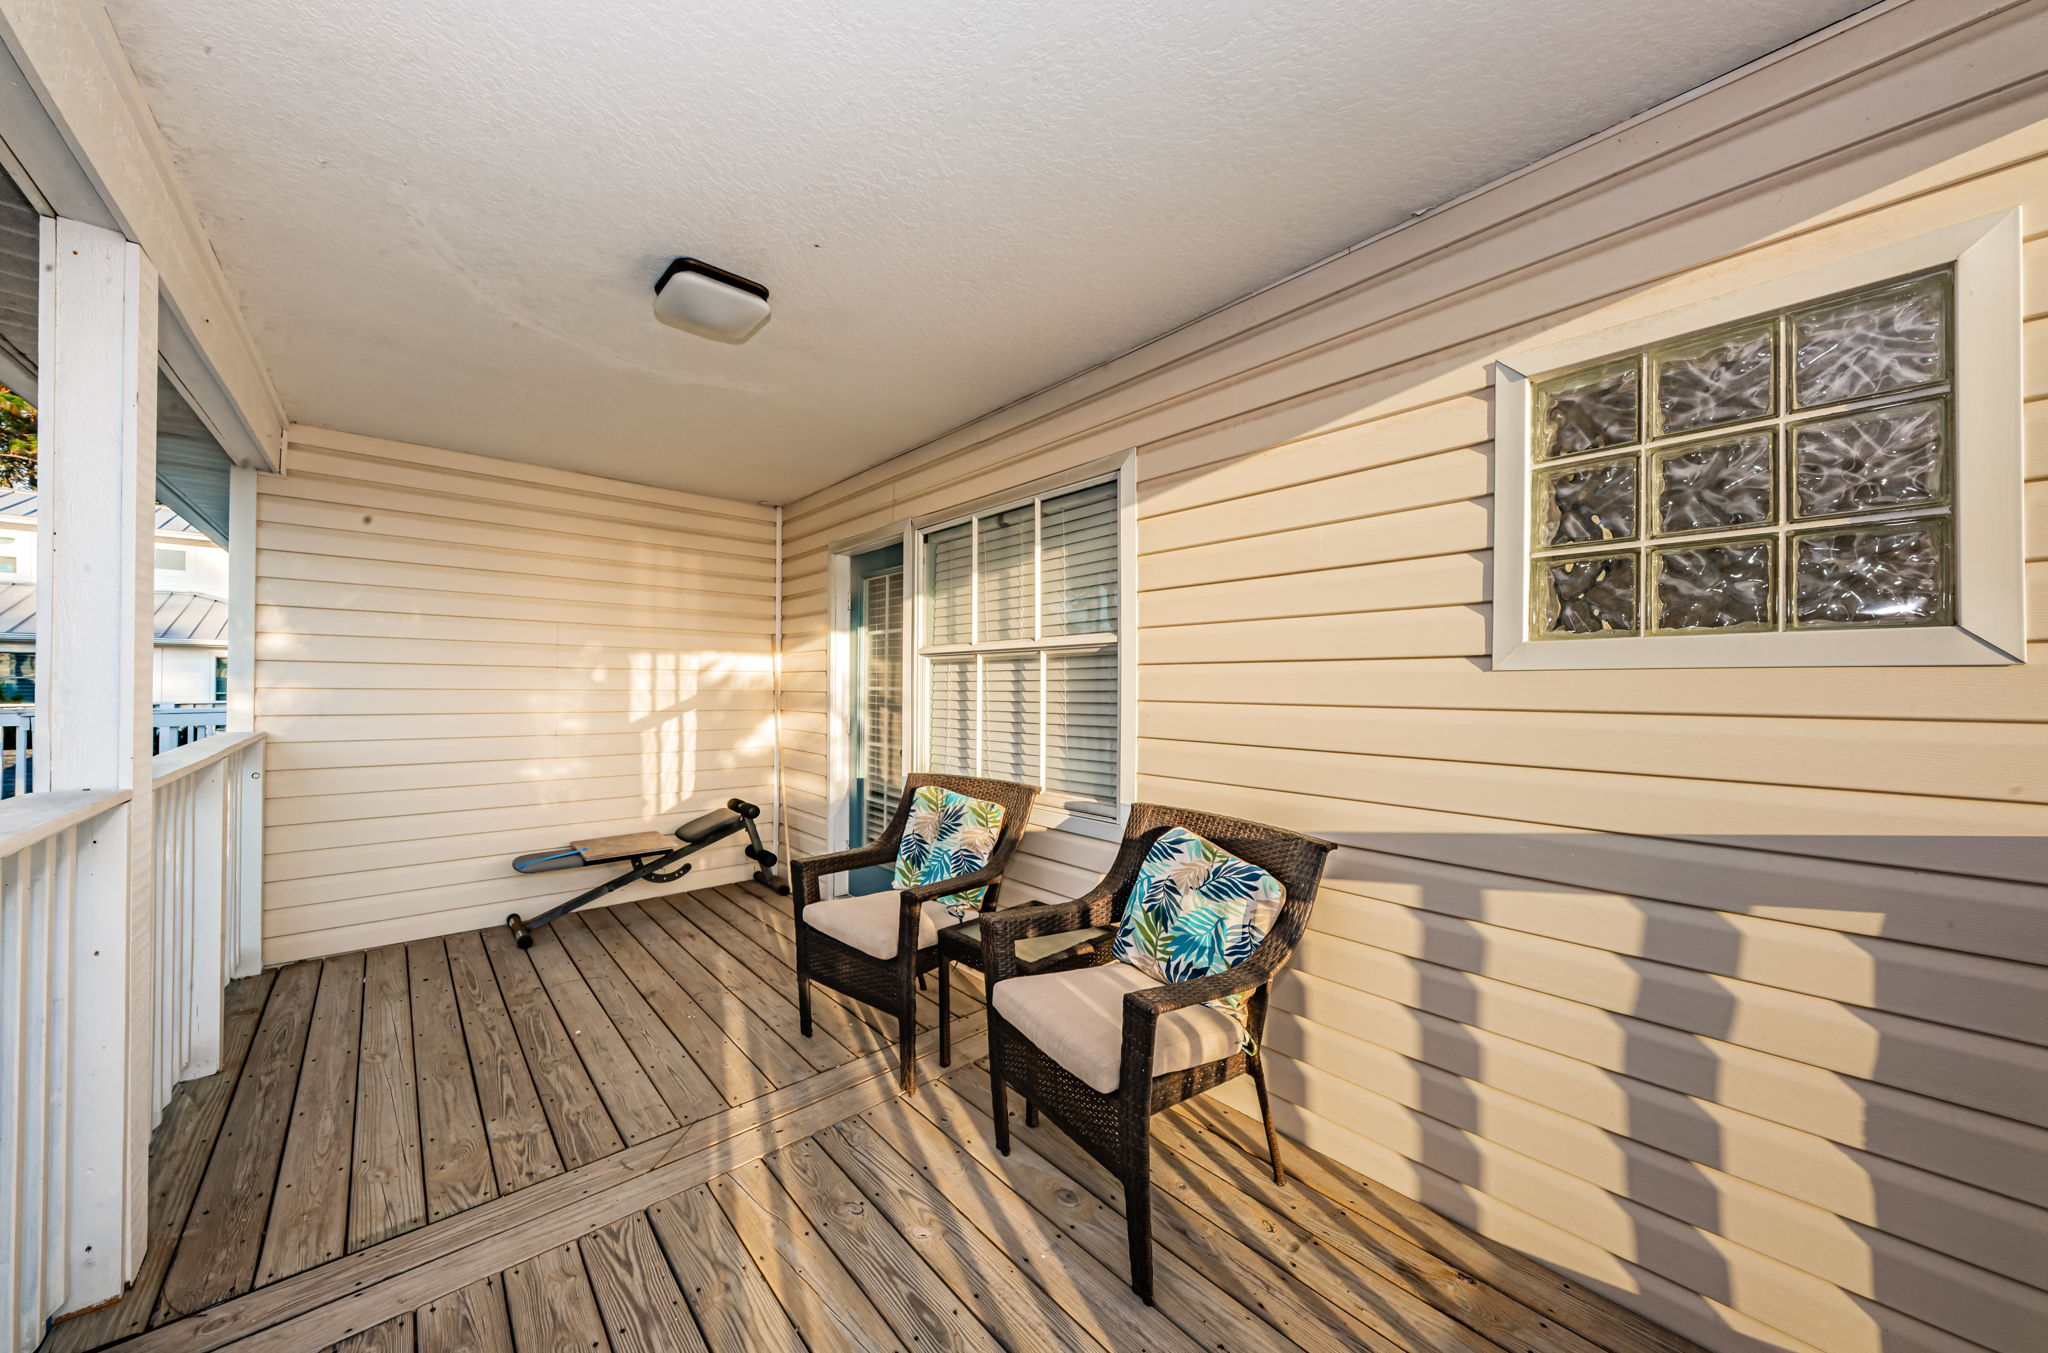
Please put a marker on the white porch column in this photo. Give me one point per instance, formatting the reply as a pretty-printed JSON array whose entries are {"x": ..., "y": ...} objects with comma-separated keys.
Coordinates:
[
  {"x": 95, "y": 607},
  {"x": 246, "y": 943}
]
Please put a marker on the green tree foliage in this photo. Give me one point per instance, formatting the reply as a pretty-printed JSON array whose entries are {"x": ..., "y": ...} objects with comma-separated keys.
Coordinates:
[{"x": 17, "y": 440}]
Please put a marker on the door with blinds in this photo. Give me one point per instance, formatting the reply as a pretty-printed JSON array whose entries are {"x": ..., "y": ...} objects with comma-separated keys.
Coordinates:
[{"x": 875, "y": 623}]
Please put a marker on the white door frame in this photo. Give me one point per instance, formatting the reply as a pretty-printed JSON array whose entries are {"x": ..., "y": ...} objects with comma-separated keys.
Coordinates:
[{"x": 839, "y": 679}]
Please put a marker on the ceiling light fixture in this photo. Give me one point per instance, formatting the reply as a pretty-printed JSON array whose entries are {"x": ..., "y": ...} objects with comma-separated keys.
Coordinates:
[{"x": 711, "y": 302}]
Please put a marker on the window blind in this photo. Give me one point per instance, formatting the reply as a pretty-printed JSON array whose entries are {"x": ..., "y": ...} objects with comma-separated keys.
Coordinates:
[
  {"x": 882, "y": 741},
  {"x": 1081, "y": 724},
  {"x": 1021, "y": 641},
  {"x": 1078, "y": 562},
  {"x": 952, "y": 706},
  {"x": 1010, "y": 730},
  {"x": 949, "y": 583},
  {"x": 1004, "y": 545}
]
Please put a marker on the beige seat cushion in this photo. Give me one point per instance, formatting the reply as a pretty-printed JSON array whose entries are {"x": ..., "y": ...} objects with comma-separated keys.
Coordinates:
[
  {"x": 1077, "y": 1019},
  {"x": 868, "y": 921}
]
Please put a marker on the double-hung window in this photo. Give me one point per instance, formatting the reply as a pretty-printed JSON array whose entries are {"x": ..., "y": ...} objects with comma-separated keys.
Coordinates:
[{"x": 1019, "y": 644}]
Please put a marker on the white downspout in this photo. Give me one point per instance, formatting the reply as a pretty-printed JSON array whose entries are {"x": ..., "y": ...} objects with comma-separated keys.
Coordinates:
[{"x": 781, "y": 832}]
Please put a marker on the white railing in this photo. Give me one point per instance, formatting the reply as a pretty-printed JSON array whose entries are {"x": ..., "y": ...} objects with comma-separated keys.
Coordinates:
[
  {"x": 63, "y": 884},
  {"x": 170, "y": 727},
  {"x": 208, "y": 811},
  {"x": 71, "y": 1060}
]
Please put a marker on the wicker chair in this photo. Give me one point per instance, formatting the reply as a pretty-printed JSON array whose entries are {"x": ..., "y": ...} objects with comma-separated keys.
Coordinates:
[
  {"x": 1115, "y": 1125},
  {"x": 890, "y": 983}
]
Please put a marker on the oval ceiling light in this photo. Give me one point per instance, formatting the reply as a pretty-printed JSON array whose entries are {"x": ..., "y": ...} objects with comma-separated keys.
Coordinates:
[{"x": 711, "y": 302}]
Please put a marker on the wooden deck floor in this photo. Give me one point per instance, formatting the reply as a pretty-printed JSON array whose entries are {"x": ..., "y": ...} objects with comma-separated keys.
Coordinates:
[{"x": 619, "y": 1141}]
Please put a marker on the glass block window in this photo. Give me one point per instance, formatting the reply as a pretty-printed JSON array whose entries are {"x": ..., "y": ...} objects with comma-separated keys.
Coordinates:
[{"x": 1789, "y": 471}]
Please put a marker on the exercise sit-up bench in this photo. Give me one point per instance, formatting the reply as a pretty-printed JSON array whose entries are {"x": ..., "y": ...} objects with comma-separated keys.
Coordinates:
[{"x": 653, "y": 856}]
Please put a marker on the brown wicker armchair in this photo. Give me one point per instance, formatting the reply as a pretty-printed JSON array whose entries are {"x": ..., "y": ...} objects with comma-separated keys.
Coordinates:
[
  {"x": 864, "y": 960},
  {"x": 1102, "y": 1083}
]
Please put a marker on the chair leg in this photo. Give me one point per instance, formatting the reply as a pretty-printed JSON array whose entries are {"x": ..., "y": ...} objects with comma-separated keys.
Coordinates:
[
  {"x": 803, "y": 1004},
  {"x": 1138, "y": 1217},
  {"x": 906, "y": 1043},
  {"x": 945, "y": 1013},
  {"x": 1030, "y": 1113},
  {"x": 998, "y": 1088},
  {"x": 1258, "y": 1063}
]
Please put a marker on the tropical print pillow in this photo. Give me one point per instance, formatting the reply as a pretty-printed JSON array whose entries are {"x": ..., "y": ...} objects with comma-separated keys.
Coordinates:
[
  {"x": 1196, "y": 909},
  {"x": 948, "y": 835}
]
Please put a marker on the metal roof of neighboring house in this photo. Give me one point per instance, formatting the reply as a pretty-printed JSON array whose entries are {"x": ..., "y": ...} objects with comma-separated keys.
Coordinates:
[
  {"x": 22, "y": 503},
  {"x": 181, "y": 617}
]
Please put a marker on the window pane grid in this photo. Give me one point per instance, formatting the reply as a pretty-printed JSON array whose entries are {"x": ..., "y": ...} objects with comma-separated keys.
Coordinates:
[
  {"x": 1677, "y": 491},
  {"x": 1022, "y": 677}
]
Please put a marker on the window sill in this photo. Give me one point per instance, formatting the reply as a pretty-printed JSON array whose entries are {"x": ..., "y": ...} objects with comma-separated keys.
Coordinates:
[{"x": 1055, "y": 814}]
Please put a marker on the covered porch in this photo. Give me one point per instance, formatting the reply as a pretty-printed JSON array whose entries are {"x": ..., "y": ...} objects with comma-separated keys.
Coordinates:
[{"x": 1579, "y": 473}]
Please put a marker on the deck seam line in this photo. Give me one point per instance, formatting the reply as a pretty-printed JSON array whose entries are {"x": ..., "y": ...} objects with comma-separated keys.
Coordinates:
[{"x": 269, "y": 1325}]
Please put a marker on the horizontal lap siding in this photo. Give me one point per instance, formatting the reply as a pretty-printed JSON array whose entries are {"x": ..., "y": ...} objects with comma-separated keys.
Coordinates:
[
  {"x": 461, "y": 659},
  {"x": 1722, "y": 990}
]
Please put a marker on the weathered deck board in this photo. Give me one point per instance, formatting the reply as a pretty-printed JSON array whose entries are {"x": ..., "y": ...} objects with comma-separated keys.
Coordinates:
[
  {"x": 1541, "y": 1289},
  {"x": 979, "y": 1268},
  {"x": 522, "y": 1149},
  {"x": 636, "y": 1100},
  {"x": 730, "y": 1047},
  {"x": 1074, "y": 1254},
  {"x": 1208, "y": 1305},
  {"x": 828, "y": 1211},
  {"x": 642, "y": 1304},
  {"x": 910, "y": 1295},
  {"x": 393, "y": 1336},
  {"x": 217, "y": 1252},
  {"x": 585, "y": 1129},
  {"x": 309, "y": 1217},
  {"x": 387, "y": 1192},
  {"x": 1218, "y": 1176},
  {"x": 454, "y": 1148},
  {"x": 607, "y": 954},
  {"x": 688, "y": 1091},
  {"x": 553, "y": 1308},
  {"x": 761, "y": 1006},
  {"x": 469, "y": 1320},
  {"x": 735, "y": 1308},
  {"x": 813, "y": 1286}
]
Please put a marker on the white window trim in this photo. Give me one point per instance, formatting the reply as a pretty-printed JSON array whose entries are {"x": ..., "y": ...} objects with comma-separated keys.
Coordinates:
[
  {"x": 1990, "y": 626},
  {"x": 839, "y": 685},
  {"x": 1052, "y": 811}
]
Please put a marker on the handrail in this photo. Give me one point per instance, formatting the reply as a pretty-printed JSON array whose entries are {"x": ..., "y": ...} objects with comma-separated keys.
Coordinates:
[
  {"x": 179, "y": 761},
  {"x": 31, "y": 818}
]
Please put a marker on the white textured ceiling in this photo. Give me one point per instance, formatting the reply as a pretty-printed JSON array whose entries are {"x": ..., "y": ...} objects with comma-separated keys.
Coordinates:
[{"x": 444, "y": 219}]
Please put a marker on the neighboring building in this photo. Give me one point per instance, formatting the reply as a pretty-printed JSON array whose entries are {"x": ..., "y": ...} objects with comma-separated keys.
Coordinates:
[{"x": 191, "y": 608}]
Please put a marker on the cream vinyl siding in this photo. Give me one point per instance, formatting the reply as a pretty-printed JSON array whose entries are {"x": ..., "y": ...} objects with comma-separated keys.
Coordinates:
[
  {"x": 462, "y": 659},
  {"x": 1725, "y": 991}
]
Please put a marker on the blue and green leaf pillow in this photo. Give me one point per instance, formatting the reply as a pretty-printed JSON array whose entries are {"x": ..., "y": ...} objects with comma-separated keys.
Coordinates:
[
  {"x": 948, "y": 835},
  {"x": 1196, "y": 909}
]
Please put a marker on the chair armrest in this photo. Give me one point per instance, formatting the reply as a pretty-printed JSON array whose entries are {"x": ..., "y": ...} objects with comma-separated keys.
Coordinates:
[
  {"x": 1241, "y": 980},
  {"x": 1142, "y": 1010},
  {"x": 805, "y": 873}
]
